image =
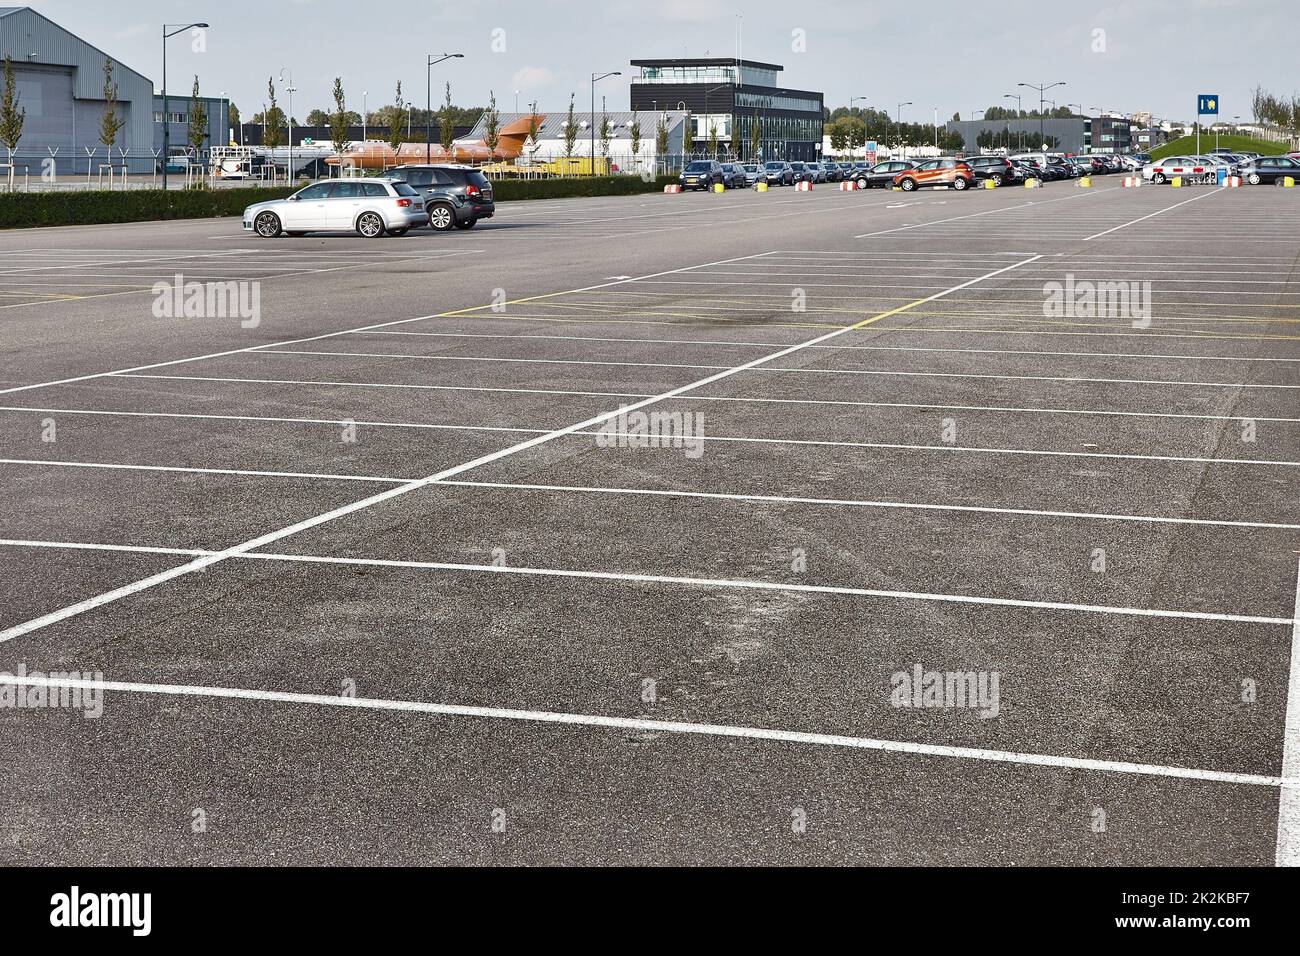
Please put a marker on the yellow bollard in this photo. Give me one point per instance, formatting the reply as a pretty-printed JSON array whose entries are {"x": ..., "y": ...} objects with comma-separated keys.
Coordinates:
[
  {"x": 761, "y": 187},
  {"x": 1085, "y": 181},
  {"x": 897, "y": 189},
  {"x": 1031, "y": 183},
  {"x": 1176, "y": 182},
  {"x": 719, "y": 188},
  {"x": 1288, "y": 181},
  {"x": 990, "y": 184}
]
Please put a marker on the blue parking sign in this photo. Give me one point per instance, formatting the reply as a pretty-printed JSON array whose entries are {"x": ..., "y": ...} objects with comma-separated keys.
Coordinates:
[
  {"x": 1207, "y": 104},
  {"x": 871, "y": 146}
]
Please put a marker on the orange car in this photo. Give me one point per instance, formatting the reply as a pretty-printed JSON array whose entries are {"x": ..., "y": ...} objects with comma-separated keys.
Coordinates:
[{"x": 936, "y": 172}]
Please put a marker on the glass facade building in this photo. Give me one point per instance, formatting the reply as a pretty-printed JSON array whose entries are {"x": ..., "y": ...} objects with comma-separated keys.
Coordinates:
[{"x": 734, "y": 98}]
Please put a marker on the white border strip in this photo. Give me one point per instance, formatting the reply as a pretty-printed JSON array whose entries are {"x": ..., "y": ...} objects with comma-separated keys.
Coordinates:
[{"x": 1288, "y": 807}]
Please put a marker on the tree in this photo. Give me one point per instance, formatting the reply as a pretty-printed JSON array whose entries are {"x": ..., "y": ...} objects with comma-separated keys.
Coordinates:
[
  {"x": 12, "y": 115},
  {"x": 339, "y": 120},
  {"x": 606, "y": 134},
  {"x": 661, "y": 136},
  {"x": 688, "y": 135},
  {"x": 447, "y": 122},
  {"x": 713, "y": 139},
  {"x": 198, "y": 128},
  {"x": 396, "y": 117},
  {"x": 570, "y": 131},
  {"x": 110, "y": 123},
  {"x": 272, "y": 117},
  {"x": 232, "y": 114},
  {"x": 756, "y": 137},
  {"x": 635, "y": 130},
  {"x": 492, "y": 125}
]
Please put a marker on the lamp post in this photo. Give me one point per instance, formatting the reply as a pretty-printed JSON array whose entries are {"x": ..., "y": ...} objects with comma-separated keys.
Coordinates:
[
  {"x": 1041, "y": 88},
  {"x": 291, "y": 89},
  {"x": 167, "y": 125},
  {"x": 364, "y": 109},
  {"x": 1016, "y": 97},
  {"x": 852, "y": 100},
  {"x": 708, "y": 110},
  {"x": 594, "y": 80},
  {"x": 899, "y": 120},
  {"x": 429, "y": 64}
]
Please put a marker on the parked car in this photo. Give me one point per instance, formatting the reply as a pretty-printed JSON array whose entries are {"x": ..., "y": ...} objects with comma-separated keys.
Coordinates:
[
  {"x": 701, "y": 174},
  {"x": 802, "y": 173},
  {"x": 1270, "y": 169},
  {"x": 1166, "y": 169},
  {"x": 833, "y": 172},
  {"x": 733, "y": 176},
  {"x": 999, "y": 169},
  {"x": 936, "y": 172},
  {"x": 753, "y": 173},
  {"x": 372, "y": 207},
  {"x": 819, "y": 172},
  {"x": 882, "y": 174},
  {"x": 454, "y": 195},
  {"x": 779, "y": 173}
]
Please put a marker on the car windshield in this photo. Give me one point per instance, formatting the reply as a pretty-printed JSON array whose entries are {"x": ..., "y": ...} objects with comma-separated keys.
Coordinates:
[
  {"x": 775, "y": 165},
  {"x": 698, "y": 168},
  {"x": 402, "y": 189}
]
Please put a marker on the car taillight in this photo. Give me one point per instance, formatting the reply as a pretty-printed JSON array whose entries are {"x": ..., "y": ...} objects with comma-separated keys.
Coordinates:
[
  {"x": 473, "y": 191},
  {"x": 403, "y": 202}
]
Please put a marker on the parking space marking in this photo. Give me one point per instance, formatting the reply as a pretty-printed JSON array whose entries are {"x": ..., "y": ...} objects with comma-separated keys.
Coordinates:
[
  {"x": 641, "y": 724},
  {"x": 716, "y": 398},
  {"x": 867, "y": 503},
  {"x": 1288, "y": 808},
  {"x": 253, "y": 544},
  {"x": 116, "y": 466},
  {"x": 784, "y": 370}
]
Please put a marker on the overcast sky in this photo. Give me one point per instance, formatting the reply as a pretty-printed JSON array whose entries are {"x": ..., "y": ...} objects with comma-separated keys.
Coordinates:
[{"x": 1154, "y": 55}]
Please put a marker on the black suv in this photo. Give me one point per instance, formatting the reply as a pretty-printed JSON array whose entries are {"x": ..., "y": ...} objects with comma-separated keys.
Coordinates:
[
  {"x": 454, "y": 196},
  {"x": 702, "y": 174},
  {"x": 997, "y": 168},
  {"x": 882, "y": 174}
]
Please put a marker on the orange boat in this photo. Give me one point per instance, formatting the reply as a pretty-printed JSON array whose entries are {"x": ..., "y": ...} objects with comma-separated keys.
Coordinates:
[{"x": 382, "y": 156}]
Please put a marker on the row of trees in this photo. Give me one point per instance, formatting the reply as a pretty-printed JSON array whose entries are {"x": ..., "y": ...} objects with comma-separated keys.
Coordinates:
[
  {"x": 1280, "y": 111},
  {"x": 851, "y": 128}
]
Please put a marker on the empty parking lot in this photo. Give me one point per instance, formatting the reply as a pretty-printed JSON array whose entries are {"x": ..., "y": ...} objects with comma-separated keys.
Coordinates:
[{"x": 391, "y": 574}]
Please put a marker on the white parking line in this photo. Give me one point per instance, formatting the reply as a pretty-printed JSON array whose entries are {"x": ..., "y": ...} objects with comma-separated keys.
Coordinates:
[
  {"x": 1288, "y": 809},
  {"x": 858, "y": 503},
  {"x": 198, "y": 471},
  {"x": 624, "y": 724}
]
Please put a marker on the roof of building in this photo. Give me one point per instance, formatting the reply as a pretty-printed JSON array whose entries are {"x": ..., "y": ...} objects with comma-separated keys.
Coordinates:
[{"x": 706, "y": 61}]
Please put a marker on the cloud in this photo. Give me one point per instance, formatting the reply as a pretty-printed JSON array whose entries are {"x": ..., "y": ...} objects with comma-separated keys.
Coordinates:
[{"x": 532, "y": 77}]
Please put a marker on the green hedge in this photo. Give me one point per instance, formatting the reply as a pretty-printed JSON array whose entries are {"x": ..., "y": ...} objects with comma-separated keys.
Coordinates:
[
  {"x": 85, "y": 207},
  {"x": 508, "y": 190}
]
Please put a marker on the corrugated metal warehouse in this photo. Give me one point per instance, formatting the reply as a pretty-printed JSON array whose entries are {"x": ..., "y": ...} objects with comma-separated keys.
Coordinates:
[{"x": 60, "y": 83}]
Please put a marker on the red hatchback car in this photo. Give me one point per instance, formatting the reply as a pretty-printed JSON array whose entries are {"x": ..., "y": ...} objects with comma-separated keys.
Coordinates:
[{"x": 936, "y": 172}]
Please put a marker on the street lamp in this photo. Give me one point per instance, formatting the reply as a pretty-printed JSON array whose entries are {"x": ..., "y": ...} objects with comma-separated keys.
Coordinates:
[
  {"x": 430, "y": 63},
  {"x": 292, "y": 90},
  {"x": 1041, "y": 88},
  {"x": 852, "y": 100},
  {"x": 167, "y": 125},
  {"x": 899, "y": 121},
  {"x": 365, "y": 103},
  {"x": 1021, "y": 131},
  {"x": 594, "y": 80}
]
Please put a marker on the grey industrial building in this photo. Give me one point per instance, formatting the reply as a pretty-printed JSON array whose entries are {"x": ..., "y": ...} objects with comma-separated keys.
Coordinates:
[
  {"x": 1076, "y": 134},
  {"x": 60, "y": 84}
]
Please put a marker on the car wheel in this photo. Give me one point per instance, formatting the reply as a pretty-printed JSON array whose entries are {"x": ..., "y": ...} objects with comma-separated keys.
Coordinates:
[
  {"x": 441, "y": 217},
  {"x": 267, "y": 225},
  {"x": 997, "y": 179},
  {"x": 466, "y": 224},
  {"x": 1254, "y": 179},
  {"x": 399, "y": 232},
  {"x": 370, "y": 225},
  {"x": 960, "y": 183},
  {"x": 908, "y": 185},
  {"x": 1157, "y": 178}
]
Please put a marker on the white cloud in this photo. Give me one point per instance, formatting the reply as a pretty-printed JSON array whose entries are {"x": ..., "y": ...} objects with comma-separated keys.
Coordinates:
[{"x": 531, "y": 78}]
